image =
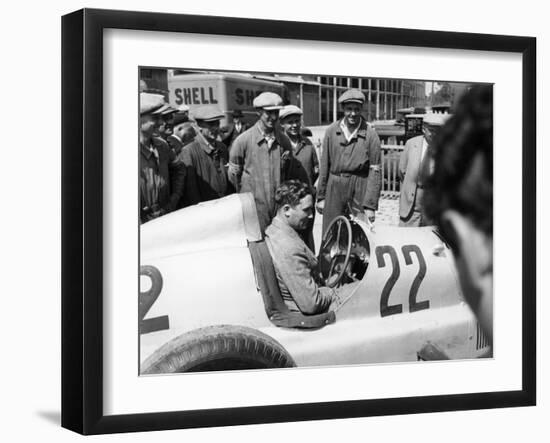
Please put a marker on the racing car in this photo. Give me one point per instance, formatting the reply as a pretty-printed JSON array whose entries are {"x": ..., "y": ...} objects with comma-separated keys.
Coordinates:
[{"x": 209, "y": 298}]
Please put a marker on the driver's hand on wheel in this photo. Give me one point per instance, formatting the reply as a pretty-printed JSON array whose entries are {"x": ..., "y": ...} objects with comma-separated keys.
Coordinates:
[
  {"x": 320, "y": 206},
  {"x": 368, "y": 216}
]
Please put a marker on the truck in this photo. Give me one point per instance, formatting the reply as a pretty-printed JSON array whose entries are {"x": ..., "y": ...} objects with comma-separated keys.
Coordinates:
[{"x": 229, "y": 91}]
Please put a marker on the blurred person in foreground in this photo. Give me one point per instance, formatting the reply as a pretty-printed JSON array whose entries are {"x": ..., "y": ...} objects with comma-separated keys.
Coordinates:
[{"x": 459, "y": 197}]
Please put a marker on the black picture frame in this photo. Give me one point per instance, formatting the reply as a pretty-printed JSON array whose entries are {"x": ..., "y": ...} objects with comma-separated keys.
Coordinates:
[{"x": 82, "y": 217}]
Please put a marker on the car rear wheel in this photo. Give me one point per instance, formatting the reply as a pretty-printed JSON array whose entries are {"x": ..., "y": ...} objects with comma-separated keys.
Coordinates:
[{"x": 218, "y": 348}]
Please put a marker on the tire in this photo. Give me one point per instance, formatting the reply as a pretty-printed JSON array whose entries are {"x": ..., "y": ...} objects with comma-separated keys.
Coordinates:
[{"x": 218, "y": 348}]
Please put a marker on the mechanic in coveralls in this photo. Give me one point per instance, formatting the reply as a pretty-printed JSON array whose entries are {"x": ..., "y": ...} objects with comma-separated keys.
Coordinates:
[
  {"x": 350, "y": 164},
  {"x": 459, "y": 197},
  {"x": 295, "y": 264},
  {"x": 261, "y": 158}
]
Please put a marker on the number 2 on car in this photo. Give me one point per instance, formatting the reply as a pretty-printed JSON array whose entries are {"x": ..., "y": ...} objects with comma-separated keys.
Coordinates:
[{"x": 381, "y": 253}]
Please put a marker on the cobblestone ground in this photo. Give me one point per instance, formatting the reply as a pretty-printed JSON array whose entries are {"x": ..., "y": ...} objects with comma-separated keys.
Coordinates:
[{"x": 387, "y": 215}]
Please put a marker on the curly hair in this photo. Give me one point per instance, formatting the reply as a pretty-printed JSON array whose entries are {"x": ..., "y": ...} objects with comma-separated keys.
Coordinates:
[
  {"x": 462, "y": 150},
  {"x": 291, "y": 192}
]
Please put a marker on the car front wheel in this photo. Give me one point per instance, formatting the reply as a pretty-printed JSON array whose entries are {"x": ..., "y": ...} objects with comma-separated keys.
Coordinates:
[{"x": 218, "y": 348}]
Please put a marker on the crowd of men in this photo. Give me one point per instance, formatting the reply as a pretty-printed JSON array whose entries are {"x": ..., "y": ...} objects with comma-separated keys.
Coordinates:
[
  {"x": 448, "y": 182},
  {"x": 185, "y": 161}
]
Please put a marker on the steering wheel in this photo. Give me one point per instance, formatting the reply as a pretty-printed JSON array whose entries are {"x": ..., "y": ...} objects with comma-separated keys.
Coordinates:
[{"x": 335, "y": 251}]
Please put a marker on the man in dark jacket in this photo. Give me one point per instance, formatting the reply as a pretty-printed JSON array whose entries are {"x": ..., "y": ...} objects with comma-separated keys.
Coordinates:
[
  {"x": 182, "y": 133},
  {"x": 302, "y": 148},
  {"x": 304, "y": 152},
  {"x": 230, "y": 132},
  {"x": 350, "y": 164},
  {"x": 161, "y": 175},
  {"x": 205, "y": 160},
  {"x": 180, "y": 117}
]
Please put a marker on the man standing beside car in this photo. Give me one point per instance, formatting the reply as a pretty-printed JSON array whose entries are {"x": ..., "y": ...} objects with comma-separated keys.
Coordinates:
[
  {"x": 413, "y": 171},
  {"x": 350, "y": 164},
  {"x": 205, "y": 160},
  {"x": 261, "y": 158},
  {"x": 303, "y": 151},
  {"x": 161, "y": 175}
]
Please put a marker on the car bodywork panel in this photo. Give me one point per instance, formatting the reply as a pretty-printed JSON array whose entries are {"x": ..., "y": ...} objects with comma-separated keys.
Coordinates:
[{"x": 408, "y": 296}]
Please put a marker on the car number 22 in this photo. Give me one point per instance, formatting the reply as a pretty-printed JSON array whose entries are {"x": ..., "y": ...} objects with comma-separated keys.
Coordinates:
[{"x": 408, "y": 250}]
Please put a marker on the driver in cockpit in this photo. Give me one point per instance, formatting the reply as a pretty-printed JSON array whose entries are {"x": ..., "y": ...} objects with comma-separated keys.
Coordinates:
[{"x": 295, "y": 264}]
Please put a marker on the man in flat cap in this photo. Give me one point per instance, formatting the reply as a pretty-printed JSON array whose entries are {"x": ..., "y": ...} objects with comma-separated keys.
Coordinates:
[
  {"x": 161, "y": 175},
  {"x": 303, "y": 151},
  {"x": 182, "y": 133},
  {"x": 165, "y": 121},
  {"x": 205, "y": 159},
  {"x": 414, "y": 165},
  {"x": 349, "y": 173},
  {"x": 261, "y": 158},
  {"x": 234, "y": 129}
]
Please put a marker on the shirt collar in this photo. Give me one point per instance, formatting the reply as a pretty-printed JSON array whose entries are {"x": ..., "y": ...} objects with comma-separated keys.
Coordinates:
[
  {"x": 149, "y": 151},
  {"x": 346, "y": 132},
  {"x": 261, "y": 135},
  {"x": 360, "y": 131}
]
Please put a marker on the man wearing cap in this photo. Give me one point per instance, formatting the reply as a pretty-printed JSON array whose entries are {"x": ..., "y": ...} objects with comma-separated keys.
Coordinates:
[
  {"x": 205, "y": 159},
  {"x": 180, "y": 117},
  {"x": 184, "y": 110},
  {"x": 182, "y": 133},
  {"x": 261, "y": 158},
  {"x": 233, "y": 130},
  {"x": 350, "y": 164},
  {"x": 161, "y": 175},
  {"x": 303, "y": 151},
  {"x": 165, "y": 122},
  {"x": 414, "y": 165}
]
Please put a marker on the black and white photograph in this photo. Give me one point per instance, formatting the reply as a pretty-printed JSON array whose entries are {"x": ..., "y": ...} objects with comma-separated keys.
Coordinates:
[{"x": 299, "y": 220}]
